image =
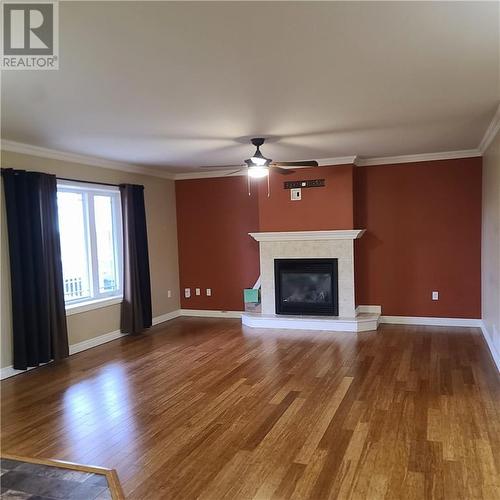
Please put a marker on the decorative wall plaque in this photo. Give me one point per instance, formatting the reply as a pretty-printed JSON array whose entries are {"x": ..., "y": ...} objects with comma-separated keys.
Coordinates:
[{"x": 304, "y": 184}]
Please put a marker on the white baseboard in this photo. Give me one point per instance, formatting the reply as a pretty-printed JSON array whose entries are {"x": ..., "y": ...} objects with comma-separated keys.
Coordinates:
[
  {"x": 9, "y": 371},
  {"x": 210, "y": 313},
  {"x": 95, "y": 341},
  {"x": 108, "y": 337},
  {"x": 430, "y": 321},
  {"x": 418, "y": 320},
  {"x": 489, "y": 341},
  {"x": 397, "y": 320},
  {"x": 369, "y": 310},
  {"x": 166, "y": 317}
]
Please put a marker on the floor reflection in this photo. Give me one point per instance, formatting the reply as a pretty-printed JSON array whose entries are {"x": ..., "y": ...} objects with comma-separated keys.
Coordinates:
[{"x": 98, "y": 413}]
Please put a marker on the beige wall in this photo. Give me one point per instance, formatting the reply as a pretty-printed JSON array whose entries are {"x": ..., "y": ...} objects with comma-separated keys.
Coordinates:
[
  {"x": 162, "y": 237},
  {"x": 491, "y": 244}
]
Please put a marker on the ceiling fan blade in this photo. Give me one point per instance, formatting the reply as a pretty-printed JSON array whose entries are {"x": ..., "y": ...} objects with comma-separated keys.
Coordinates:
[
  {"x": 221, "y": 167},
  {"x": 307, "y": 163},
  {"x": 283, "y": 171},
  {"x": 235, "y": 172}
]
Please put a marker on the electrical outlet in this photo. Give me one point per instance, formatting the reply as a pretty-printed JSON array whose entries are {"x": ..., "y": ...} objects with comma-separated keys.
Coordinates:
[
  {"x": 209, "y": 292},
  {"x": 197, "y": 291},
  {"x": 435, "y": 295},
  {"x": 169, "y": 294},
  {"x": 187, "y": 293},
  {"x": 296, "y": 194}
]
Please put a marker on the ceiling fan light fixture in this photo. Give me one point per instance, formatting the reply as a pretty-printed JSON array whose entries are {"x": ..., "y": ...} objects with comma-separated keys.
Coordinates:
[
  {"x": 258, "y": 171},
  {"x": 260, "y": 161}
]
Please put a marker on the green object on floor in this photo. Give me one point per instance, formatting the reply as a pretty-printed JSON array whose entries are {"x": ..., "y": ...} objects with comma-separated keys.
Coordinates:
[{"x": 250, "y": 295}]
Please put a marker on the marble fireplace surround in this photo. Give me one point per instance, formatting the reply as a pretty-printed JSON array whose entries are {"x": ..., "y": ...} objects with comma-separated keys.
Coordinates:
[
  {"x": 337, "y": 244},
  {"x": 334, "y": 244}
]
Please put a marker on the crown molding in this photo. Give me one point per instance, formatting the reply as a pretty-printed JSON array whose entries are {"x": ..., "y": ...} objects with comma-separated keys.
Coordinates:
[
  {"x": 28, "y": 149},
  {"x": 444, "y": 155},
  {"x": 339, "y": 160},
  {"x": 210, "y": 174},
  {"x": 322, "y": 162},
  {"x": 491, "y": 132},
  {"x": 19, "y": 147},
  {"x": 356, "y": 160}
]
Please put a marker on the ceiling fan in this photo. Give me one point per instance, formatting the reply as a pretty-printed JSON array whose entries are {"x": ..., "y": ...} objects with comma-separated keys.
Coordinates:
[{"x": 258, "y": 165}]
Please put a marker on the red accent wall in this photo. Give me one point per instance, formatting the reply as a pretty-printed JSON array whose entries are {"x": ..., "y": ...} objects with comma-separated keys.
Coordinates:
[
  {"x": 423, "y": 224},
  {"x": 329, "y": 207},
  {"x": 214, "y": 217}
]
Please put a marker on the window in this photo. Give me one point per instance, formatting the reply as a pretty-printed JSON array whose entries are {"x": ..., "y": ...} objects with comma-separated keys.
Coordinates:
[{"x": 91, "y": 241}]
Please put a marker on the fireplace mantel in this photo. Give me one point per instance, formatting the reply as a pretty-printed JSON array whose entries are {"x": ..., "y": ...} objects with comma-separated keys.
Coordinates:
[
  {"x": 341, "y": 234},
  {"x": 333, "y": 244}
]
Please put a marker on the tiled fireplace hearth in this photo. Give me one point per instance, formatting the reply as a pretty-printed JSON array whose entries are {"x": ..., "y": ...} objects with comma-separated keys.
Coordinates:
[{"x": 333, "y": 245}]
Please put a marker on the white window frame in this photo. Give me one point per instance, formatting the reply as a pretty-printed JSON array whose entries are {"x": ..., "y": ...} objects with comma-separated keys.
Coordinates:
[{"x": 97, "y": 298}]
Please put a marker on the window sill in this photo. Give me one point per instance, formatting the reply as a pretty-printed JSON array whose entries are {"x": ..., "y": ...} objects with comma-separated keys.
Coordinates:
[{"x": 92, "y": 304}]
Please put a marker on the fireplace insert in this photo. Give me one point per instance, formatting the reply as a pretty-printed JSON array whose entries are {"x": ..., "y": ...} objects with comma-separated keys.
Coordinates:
[{"x": 306, "y": 286}]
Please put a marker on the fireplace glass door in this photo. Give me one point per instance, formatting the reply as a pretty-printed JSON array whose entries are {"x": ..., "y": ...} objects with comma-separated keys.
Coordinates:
[{"x": 306, "y": 286}]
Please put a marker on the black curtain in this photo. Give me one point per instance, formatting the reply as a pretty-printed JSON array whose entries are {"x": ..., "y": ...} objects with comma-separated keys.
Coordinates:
[
  {"x": 136, "y": 313},
  {"x": 38, "y": 312}
]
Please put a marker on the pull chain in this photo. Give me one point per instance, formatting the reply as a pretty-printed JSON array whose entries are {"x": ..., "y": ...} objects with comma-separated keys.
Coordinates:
[{"x": 250, "y": 187}]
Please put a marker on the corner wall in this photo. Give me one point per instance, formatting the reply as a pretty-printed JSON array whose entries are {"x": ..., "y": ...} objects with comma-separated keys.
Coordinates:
[
  {"x": 491, "y": 247},
  {"x": 162, "y": 238},
  {"x": 423, "y": 234},
  {"x": 214, "y": 217}
]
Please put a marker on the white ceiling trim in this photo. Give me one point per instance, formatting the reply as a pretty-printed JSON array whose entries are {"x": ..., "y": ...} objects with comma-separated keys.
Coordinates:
[
  {"x": 445, "y": 155},
  {"x": 19, "y": 147},
  {"x": 230, "y": 172},
  {"x": 28, "y": 149},
  {"x": 341, "y": 160},
  {"x": 491, "y": 132},
  {"x": 346, "y": 160},
  {"x": 209, "y": 174}
]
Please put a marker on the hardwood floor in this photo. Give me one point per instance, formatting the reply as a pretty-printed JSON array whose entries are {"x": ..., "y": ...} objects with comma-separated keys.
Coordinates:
[{"x": 202, "y": 408}]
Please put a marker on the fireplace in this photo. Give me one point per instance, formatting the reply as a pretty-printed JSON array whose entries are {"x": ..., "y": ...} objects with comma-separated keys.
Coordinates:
[
  {"x": 306, "y": 286},
  {"x": 307, "y": 282}
]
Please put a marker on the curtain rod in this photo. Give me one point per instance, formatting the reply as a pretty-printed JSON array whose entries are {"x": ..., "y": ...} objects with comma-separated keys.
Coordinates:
[
  {"x": 87, "y": 182},
  {"x": 77, "y": 180}
]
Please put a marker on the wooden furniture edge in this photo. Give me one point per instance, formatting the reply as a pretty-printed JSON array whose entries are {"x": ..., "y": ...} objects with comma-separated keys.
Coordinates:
[{"x": 111, "y": 474}]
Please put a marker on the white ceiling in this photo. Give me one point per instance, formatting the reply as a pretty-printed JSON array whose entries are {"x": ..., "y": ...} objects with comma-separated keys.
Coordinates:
[{"x": 183, "y": 84}]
